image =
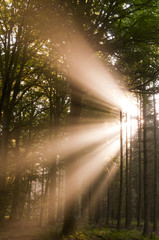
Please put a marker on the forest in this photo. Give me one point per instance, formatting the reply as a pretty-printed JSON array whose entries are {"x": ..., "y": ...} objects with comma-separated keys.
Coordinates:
[{"x": 79, "y": 119}]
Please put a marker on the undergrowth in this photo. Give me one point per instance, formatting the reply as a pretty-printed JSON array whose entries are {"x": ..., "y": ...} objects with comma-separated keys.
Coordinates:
[{"x": 93, "y": 233}]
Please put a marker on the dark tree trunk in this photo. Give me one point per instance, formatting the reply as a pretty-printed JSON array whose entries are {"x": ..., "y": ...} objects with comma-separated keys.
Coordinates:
[
  {"x": 3, "y": 158},
  {"x": 108, "y": 204},
  {"x": 71, "y": 167},
  {"x": 52, "y": 193},
  {"x": 83, "y": 202},
  {"x": 90, "y": 202},
  {"x": 98, "y": 189},
  {"x": 130, "y": 177},
  {"x": 42, "y": 197},
  {"x": 28, "y": 213},
  {"x": 16, "y": 191},
  {"x": 97, "y": 207},
  {"x": 113, "y": 203},
  {"x": 155, "y": 170},
  {"x": 146, "y": 178},
  {"x": 121, "y": 174},
  {"x": 127, "y": 178},
  {"x": 60, "y": 195},
  {"x": 53, "y": 133},
  {"x": 139, "y": 207}
]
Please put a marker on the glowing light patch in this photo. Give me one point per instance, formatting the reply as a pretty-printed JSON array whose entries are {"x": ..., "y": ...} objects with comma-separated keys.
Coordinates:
[
  {"x": 89, "y": 74},
  {"x": 92, "y": 164},
  {"x": 92, "y": 145}
]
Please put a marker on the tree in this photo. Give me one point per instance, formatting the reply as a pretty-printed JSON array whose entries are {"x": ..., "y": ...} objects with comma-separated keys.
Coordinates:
[
  {"x": 146, "y": 177},
  {"x": 108, "y": 28},
  {"x": 121, "y": 173},
  {"x": 155, "y": 169},
  {"x": 70, "y": 198},
  {"x": 139, "y": 204},
  {"x": 19, "y": 45}
]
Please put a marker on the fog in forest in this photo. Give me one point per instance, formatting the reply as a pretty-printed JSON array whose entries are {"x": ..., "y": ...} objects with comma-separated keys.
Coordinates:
[{"x": 79, "y": 124}]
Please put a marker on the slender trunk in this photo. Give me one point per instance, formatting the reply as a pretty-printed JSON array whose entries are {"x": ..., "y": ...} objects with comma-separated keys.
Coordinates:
[
  {"x": 42, "y": 197},
  {"x": 113, "y": 203},
  {"x": 53, "y": 133},
  {"x": 90, "y": 202},
  {"x": 52, "y": 193},
  {"x": 60, "y": 195},
  {"x": 127, "y": 177},
  {"x": 83, "y": 202},
  {"x": 139, "y": 208},
  {"x": 71, "y": 167},
  {"x": 28, "y": 213},
  {"x": 108, "y": 204},
  {"x": 98, "y": 188},
  {"x": 25, "y": 186},
  {"x": 155, "y": 170},
  {"x": 3, "y": 161},
  {"x": 130, "y": 176},
  {"x": 97, "y": 208},
  {"x": 146, "y": 179},
  {"x": 16, "y": 191},
  {"x": 121, "y": 175}
]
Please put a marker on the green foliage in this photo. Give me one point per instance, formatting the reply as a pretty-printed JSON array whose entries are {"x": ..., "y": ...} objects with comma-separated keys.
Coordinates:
[
  {"x": 113, "y": 234},
  {"x": 79, "y": 236},
  {"x": 49, "y": 235},
  {"x": 124, "y": 234}
]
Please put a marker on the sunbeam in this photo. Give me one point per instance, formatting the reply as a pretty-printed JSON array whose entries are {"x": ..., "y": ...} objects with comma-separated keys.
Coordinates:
[
  {"x": 91, "y": 164},
  {"x": 89, "y": 74},
  {"x": 80, "y": 137},
  {"x": 79, "y": 121},
  {"x": 88, "y": 148}
]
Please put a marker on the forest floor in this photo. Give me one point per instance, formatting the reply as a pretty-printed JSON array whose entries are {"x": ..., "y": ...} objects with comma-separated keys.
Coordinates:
[
  {"x": 26, "y": 231},
  {"x": 19, "y": 231}
]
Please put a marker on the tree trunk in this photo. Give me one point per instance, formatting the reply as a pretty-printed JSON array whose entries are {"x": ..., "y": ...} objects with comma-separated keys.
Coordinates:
[
  {"x": 52, "y": 193},
  {"x": 60, "y": 194},
  {"x": 146, "y": 179},
  {"x": 155, "y": 170},
  {"x": 130, "y": 177},
  {"x": 121, "y": 175},
  {"x": 16, "y": 191},
  {"x": 90, "y": 202},
  {"x": 3, "y": 159},
  {"x": 53, "y": 133},
  {"x": 83, "y": 202},
  {"x": 127, "y": 177},
  {"x": 71, "y": 186},
  {"x": 42, "y": 197},
  {"x": 139, "y": 207},
  {"x": 108, "y": 204},
  {"x": 28, "y": 200}
]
